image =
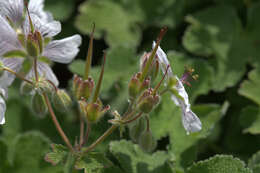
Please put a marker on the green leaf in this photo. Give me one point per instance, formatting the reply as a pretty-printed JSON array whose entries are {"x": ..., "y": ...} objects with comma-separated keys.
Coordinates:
[
  {"x": 118, "y": 26},
  {"x": 222, "y": 39},
  {"x": 250, "y": 87},
  {"x": 29, "y": 152},
  {"x": 250, "y": 120},
  {"x": 219, "y": 164},
  {"x": 93, "y": 162},
  {"x": 133, "y": 160},
  {"x": 61, "y": 9},
  {"x": 254, "y": 162},
  {"x": 58, "y": 154},
  {"x": 166, "y": 120}
]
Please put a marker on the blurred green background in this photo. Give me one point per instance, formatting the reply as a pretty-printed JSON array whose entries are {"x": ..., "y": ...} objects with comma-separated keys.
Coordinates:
[{"x": 220, "y": 39}]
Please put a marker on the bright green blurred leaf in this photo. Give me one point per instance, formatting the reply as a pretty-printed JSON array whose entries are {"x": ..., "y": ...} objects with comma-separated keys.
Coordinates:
[
  {"x": 61, "y": 9},
  {"x": 250, "y": 87},
  {"x": 250, "y": 120}
]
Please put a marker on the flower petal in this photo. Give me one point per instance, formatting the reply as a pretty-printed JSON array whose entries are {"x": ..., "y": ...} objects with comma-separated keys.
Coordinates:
[
  {"x": 191, "y": 122},
  {"x": 8, "y": 37},
  {"x": 2, "y": 110},
  {"x": 46, "y": 28},
  {"x": 45, "y": 71},
  {"x": 36, "y": 7},
  {"x": 13, "y": 9},
  {"x": 3, "y": 92},
  {"x": 6, "y": 79},
  {"x": 63, "y": 51},
  {"x": 163, "y": 60}
]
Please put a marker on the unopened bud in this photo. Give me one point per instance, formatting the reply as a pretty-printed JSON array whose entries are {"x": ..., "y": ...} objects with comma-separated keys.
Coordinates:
[
  {"x": 61, "y": 100},
  {"x": 32, "y": 47},
  {"x": 136, "y": 87},
  {"x": 147, "y": 141},
  {"x": 85, "y": 89},
  {"x": 38, "y": 104},
  {"x": 39, "y": 40},
  {"x": 153, "y": 69},
  {"x": 147, "y": 101},
  {"x": 26, "y": 88},
  {"x": 93, "y": 111},
  {"x": 137, "y": 129},
  {"x": 44, "y": 86}
]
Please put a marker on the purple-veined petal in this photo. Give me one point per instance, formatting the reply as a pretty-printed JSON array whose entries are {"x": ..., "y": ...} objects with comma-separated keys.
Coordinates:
[
  {"x": 2, "y": 110},
  {"x": 63, "y": 51},
  {"x": 13, "y": 9},
  {"x": 6, "y": 79},
  {"x": 7, "y": 35},
  {"x": 45, "y": 71},
  {"x": 36, "y": 7},
  {"x": 191, "y": 122},
  {"x": 46, "y": 28}
]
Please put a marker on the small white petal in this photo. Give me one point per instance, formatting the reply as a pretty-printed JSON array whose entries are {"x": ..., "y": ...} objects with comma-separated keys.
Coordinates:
[
  {"x": 163, "y": 60},
  {"x": 46, "y": 28},
  {"x": 8, "y": 35},
  {"x": 13, "y": 9},
  {"x": 2, "y": 110},
  {"x": 45, "y": 71},
  {"x": 63, "y": 51},
  {"x": 6, "y": 79},
  {"x": 4, "y": 93},
  {"x": 191, "y": 122}
]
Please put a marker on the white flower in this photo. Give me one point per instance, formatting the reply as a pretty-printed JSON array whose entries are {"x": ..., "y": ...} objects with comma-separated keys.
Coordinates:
[
  {"x": 190, "y": 121},
  {"x": 14, "y": 21},
  {"x": 3, "y": 94}
]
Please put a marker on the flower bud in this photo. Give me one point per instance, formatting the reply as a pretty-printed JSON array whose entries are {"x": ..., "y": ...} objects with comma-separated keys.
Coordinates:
[
  {"x": 82, "y": 89},
  {"x": 85, "y": 89},
  {"x": 93, "y": 111},
  {"x": 26, "y": 88},
  {"x": 38, "y": 104},
  {"x": 61, "y": 100},
  {"x": 32, "y": 47},
  {"x": 147, "y": 141},
  {"x": 147, "y": 101},
  {"x": 154, "y": 68},
  {"x": 136, "y": 87},
  {"x": 137, "y": 129}
]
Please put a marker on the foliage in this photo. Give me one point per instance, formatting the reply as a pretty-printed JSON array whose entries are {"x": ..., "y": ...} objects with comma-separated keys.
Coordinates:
[{"x": 220, "y": 39}]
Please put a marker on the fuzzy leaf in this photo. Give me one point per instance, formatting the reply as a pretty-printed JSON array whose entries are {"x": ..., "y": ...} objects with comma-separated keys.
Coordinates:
[
  {"x": 58, "y": 154},
  {"x": 93, "y": 163},
  {"x": 254, "y": 162},
  {"x": 219, "y": 164},
  {"x": 133, "y": 160}
]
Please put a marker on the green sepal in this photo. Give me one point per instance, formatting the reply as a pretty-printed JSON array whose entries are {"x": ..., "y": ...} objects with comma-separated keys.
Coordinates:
[{"x": 15, "y": 54}]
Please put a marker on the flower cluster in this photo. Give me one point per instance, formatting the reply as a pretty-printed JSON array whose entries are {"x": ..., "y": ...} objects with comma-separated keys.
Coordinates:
[{"x": 26, "y": 33}]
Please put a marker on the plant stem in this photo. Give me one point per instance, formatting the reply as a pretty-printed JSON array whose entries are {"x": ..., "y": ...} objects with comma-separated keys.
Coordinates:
[
  {"x": 135, "y": 118},
  {"x": 101, "y": 138},
  {"x": 82, "y": 124},
  {"x": 17, "y": 75},
  {"x": 56, "y": 123},
  {"x": 87, "y": 133},
  {"x": 35, "y": 69}
]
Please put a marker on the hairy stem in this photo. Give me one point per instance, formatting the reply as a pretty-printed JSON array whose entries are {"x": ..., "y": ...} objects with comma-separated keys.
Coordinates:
[
  {"x": 18, "y": 75},
  {"x": 56, "y": 123}
]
